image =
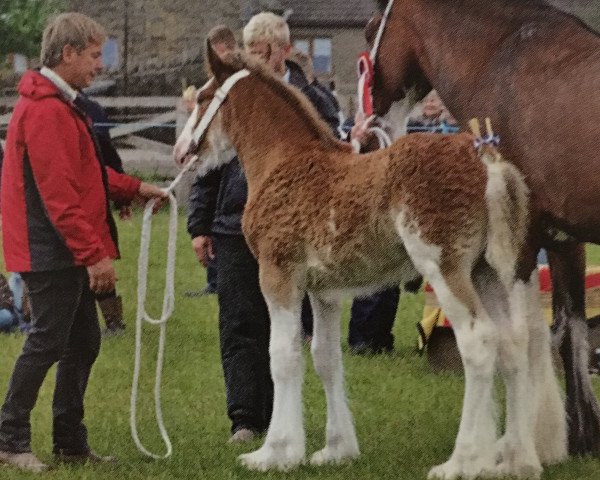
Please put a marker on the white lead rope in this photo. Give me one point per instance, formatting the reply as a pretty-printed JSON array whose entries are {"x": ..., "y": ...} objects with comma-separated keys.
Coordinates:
[{"x": 169, "y": 293}]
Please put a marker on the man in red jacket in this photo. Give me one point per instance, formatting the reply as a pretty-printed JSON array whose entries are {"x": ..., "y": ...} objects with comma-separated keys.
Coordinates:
[{"x": 58, "y": 232}]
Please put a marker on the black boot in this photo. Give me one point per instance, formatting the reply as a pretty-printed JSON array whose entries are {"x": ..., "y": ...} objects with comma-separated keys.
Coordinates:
[{"x": 112, "y": 311}]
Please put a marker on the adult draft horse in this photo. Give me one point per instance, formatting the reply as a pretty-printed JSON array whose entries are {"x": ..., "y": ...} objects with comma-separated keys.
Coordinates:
[
  {"x": 324, "y": 220},
  {"x": 535, "y": 71}
]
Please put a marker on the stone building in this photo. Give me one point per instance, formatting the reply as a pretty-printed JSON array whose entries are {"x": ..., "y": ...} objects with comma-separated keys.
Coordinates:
[{"x": 156, "y": 46}]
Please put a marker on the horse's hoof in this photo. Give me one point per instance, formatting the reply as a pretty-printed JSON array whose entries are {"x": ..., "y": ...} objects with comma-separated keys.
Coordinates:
[
  {"x": 520, "y": 470},
  {"x": 267, "y": 458},
  {"x": 331, "y": 455}
]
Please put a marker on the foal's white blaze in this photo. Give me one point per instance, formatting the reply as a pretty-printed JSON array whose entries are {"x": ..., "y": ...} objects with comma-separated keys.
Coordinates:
[{"x": 284, "y": 445}]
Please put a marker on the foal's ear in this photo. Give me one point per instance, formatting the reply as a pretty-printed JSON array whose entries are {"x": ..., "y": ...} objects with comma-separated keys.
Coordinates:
[{"x": 220, "y": 69}]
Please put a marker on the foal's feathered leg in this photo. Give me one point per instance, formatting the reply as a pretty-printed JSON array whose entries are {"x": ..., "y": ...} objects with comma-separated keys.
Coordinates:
[
  {"x": 284, "y": 445},
  {"x": 567, "y": 266},
  {"x": 477, "y": 339},
  {"x": 341, "y": 442}
]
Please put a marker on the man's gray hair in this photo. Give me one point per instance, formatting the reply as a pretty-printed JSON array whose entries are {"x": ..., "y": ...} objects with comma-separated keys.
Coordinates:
[
  {"x": 73, "y": 29},
  {"x": 267, "y": 27}
]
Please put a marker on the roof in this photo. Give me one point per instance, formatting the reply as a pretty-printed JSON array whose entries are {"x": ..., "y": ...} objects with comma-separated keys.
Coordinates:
[{"x": 329, "y": 13}]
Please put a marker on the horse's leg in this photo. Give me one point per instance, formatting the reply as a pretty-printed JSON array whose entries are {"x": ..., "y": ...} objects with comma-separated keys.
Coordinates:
[
  {"x": 516, "y": 449},
  {"x": 548, "y": 415},
  {"x": 284, "y": 445},
  {"x": 567, "y": 265},
  {"x": 341, "y": 442}
]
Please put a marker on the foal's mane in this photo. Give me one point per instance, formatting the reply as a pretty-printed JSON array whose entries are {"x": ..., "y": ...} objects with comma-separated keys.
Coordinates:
[{"x": 290, "y": 94}]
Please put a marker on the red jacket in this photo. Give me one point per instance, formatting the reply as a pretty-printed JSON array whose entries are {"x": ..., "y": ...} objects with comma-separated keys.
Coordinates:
[{"x": 54, "y": 205}]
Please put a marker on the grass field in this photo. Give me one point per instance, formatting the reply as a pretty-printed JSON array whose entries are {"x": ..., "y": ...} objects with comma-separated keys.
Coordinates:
[{"x": 406, "y": 417}]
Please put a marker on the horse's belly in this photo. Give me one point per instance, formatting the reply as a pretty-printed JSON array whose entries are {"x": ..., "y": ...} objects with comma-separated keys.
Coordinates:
[{"x": 360, "y": 272}]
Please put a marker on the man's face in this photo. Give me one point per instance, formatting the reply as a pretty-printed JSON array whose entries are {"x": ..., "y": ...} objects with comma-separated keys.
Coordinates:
[
  {"x": 273, "y": 55},
  {"x": 83, "y": 66}
]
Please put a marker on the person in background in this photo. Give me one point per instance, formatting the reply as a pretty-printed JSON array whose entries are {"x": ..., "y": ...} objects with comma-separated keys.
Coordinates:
[
  {"x": 220, "y": 198},
  {"x": 371, "y": 317},
  {"x": 434, "y": 116},
  {"x": 58, "y": 232},
  {"x": 222, "y": 40},
  {"x": 111, "y": 304}
]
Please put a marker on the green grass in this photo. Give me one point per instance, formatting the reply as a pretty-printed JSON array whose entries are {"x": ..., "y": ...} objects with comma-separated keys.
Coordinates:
[{"x": 406, "y": 417}]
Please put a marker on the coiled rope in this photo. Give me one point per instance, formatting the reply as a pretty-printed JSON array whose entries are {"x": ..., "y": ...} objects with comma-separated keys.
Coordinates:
[{"x": 169, "y": 293}]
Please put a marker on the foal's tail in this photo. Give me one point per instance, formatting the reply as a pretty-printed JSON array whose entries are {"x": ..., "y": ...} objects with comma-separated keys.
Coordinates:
[{"x": 507, "y": 198}]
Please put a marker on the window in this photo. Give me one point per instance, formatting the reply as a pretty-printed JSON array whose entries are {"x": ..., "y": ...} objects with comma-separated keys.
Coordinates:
[
  {"x": 322, "y": 55},
  {"x": 110, "y": 54},
  {"x": 320, "y": 49}
]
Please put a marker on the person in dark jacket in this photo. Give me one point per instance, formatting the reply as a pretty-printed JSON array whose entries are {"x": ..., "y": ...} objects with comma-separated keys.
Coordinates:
[
  {"x": 58, "y": 233},
  {"x": 216, "y": 207},
  {"x": 111, "y": 304}
]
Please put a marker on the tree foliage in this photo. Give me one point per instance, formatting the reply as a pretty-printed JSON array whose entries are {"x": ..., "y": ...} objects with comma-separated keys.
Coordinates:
[{"x": 22, "y": 23}]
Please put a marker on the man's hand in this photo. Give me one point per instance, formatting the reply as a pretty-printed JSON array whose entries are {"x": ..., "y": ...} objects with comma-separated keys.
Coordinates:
[
  {"x": 102, "y": 276},
  {"x": 125, "y": 213},
  {"x": 361, "y": 125},
  {"x": 148, "y": 191},
  {"x": 203, "y": 248}
]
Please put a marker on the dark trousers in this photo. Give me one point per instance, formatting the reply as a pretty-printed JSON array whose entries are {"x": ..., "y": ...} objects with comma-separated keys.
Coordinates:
[
  {"x": 372, "y": 319},
  {"x": 211, "y": 274},
  {"x": 244, "y": 328},
  {"x": 65, "y": 330}
]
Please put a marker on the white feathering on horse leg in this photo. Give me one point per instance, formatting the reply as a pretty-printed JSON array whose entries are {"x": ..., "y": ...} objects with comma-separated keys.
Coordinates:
[
  {"x": 549, "y": 415},
  {"x": 341, "y": 443},
  {"x": 284, "y": 446},
  {"x": 517, "y": 454}
]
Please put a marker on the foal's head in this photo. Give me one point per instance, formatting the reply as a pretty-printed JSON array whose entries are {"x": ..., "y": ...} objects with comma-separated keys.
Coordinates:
[{"x": 397, "y": 69}]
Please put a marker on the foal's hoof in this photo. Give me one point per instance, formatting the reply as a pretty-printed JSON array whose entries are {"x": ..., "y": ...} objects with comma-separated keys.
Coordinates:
[
  {"x": 452, "y": 470},
  {"x": 334, "y": 455},
  {"x": 267, "y": 458}
]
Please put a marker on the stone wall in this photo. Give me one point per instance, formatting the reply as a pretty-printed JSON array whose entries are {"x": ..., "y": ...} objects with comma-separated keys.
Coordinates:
[{"x": 166, "y": 39}]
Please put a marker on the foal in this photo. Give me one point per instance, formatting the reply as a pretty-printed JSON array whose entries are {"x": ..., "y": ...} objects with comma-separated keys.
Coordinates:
[{"x": 323, "y": 220}]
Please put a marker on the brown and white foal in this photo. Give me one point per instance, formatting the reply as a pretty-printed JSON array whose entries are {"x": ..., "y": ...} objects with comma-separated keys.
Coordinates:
[{"x": 324, "y": 220}]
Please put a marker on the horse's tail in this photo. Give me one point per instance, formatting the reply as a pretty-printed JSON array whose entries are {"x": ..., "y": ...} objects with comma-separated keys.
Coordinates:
[{"x": 507, "y": 198}]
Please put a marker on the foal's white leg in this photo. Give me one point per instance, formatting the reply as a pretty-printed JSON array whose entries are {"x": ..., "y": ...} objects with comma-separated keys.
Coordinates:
[
  {"x": 284, "y": 445},
  {"x": 341, "y": 442},
  {"x": 474, "y": 452},
  {"x": 550, "y": 422},
  {"x": 517, "y": 453}
]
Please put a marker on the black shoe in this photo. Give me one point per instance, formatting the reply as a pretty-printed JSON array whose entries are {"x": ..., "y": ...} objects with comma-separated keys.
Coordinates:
[
  {"x": 369, "y": 349},
  {"x": 201, "y": 293},
  {"x": 88, "y": 457},
  {"x": 362, "y": 348}
]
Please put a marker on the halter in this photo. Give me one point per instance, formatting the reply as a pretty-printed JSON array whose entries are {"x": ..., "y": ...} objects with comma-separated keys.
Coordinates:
[
  {"x": 366, "y": 72},
  {"x": 215, "y": 104},
  {"x": 169, "y": 293},
  {"x": 366, "y": 67}
]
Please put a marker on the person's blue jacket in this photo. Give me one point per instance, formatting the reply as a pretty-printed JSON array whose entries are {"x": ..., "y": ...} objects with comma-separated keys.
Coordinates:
[{"x": 217, "y": 199}]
